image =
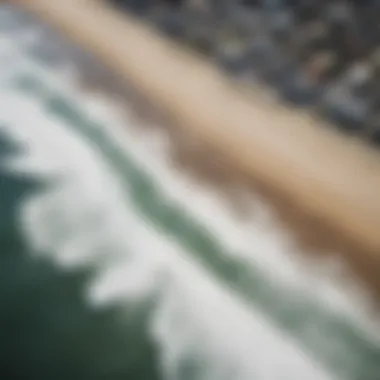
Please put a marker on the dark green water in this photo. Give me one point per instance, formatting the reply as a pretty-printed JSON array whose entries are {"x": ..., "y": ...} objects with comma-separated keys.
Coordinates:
[{"x": 47, "y": 329}]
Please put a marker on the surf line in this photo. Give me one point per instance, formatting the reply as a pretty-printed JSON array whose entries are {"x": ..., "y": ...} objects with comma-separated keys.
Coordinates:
[{"x": 340, "y": 340}]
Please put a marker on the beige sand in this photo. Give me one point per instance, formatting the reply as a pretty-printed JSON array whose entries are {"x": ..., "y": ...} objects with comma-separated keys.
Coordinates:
[{"x": 325, "y": 184}]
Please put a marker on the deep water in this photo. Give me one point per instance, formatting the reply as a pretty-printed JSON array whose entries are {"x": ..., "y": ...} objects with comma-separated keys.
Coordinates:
[{"x": 47, "y": 328}]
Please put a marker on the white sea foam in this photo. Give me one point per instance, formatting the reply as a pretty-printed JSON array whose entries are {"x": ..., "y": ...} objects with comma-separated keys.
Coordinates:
[
  {"x": 196, "y": 317},
  {"x": 257, "y": 241}
]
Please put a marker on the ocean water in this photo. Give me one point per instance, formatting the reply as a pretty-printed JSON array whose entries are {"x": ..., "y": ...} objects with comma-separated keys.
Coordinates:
[{"x": 115, "y": 265}]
